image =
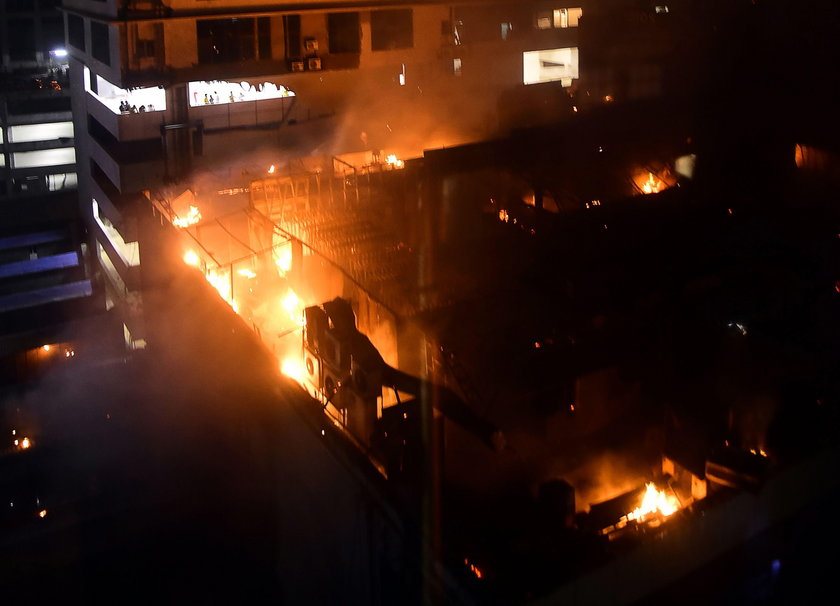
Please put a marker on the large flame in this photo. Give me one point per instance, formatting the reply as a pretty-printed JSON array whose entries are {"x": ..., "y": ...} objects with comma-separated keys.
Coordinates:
[
  {"x": 293, "y": 306},
  {"x": 191, "y": 258},
  {"x": 193, "y": 217},
  {"x": 393, "y": 161},
  {"x": 283, "y": 258},
  {"x": 652, "y": 185},
  {"x": 292, "y": 367},
  {"x": 220, "y": 280},
  {"x": 654, "y": 503}
]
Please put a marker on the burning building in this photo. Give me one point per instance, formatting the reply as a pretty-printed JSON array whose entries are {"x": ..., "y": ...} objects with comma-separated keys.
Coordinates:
[
  {"x": 477, "y": 324},
  {"x": 164, "y": 92}
]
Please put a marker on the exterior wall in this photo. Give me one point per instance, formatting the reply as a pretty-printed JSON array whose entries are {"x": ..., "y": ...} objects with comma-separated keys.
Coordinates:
[{"x": 180, "y": 43}]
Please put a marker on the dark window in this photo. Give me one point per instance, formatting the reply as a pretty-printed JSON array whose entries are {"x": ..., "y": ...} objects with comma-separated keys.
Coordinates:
[
  {"x": 264, "y": 37},
  {"x": 144, "y": 48},
  {"x": 225, "y": 40},
  {"x": 20, "y": 6},
  {"x": 29, "y": 183},
  {"x": 99, "y": 42},
  {"x": 344, "y": 33},
  {"x": 291, "y": 29},
  {"x": 53, "y": 32},
  {"x": 101, "y": 134},
  {"x": 48, "y": 4},
  {"x": 76, "y": 31},
  {"x": 391, "y": 29},
  {"x": 21, "y": 39},
  {"x": 39, "y": 106}
]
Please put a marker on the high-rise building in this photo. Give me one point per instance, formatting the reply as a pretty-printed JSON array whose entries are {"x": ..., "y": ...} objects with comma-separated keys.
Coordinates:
[{"x": 43, "y": 284}]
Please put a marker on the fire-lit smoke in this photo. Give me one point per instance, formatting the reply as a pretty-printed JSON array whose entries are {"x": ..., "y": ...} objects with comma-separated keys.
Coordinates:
[{"x": 605, "y": 476}]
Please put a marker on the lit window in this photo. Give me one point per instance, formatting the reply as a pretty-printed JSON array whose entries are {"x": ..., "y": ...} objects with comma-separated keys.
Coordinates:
[
  {"x": 550, "y": 65},
  {"x": 661, "y": 10},
  {"x": 129, "y": 252},
  {"x": 220, "y": 92},
  {"x": 47, "y": 131},
  {"x": 567, "y": 17},
  {"x": 131, "y": 342},
  {"x": 110, "y": 270},
  {"x": 61, "y": 181},
  {"x": 113, "y": 97},
  {"x": 45, "y": 157}
]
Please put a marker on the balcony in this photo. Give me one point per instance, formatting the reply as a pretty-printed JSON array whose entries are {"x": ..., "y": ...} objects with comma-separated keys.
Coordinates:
[
  {"x": 130, "y": 166},
  {"x": 126, "y": 126},
  {"x": 244, "y": 114}
]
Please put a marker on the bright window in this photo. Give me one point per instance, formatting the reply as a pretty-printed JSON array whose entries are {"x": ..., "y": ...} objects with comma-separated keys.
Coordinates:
[
  {"x": 45, "y": 157},
  {"x": 129, "y": 252},
  {"x": 550, "y": 65},
  {"x": 61, "y": 181},
  {"x": 567, "y": 17},
  {"x": 219, "y": 92},
  {"x": 153, "y": 99},
  {"x": 47, "y": 131}
]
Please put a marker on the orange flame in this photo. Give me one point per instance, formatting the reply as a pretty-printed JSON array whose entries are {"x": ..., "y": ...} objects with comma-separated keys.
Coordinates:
[
  {"x": 283, "y": 258},
  {"x": 654, "y": 502},
  {"x": 292, "y": 367},
  {"x": 392, "y": 160},
  {"x": 293, "y": 306},
  {"x": 652, "y": 185},
  {"x": 193, "y": 217},
  {"x": 192, "y": 258}
]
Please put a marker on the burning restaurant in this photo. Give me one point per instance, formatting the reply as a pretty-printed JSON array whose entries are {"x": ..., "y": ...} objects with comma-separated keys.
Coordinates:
[{"x": 385, "y": 302}]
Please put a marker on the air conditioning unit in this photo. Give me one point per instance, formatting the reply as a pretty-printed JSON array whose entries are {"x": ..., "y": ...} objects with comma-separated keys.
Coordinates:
[
  {"x": 334, "y": 352},
  {"x": 366, "y": 382},
  {"x": 313, "y": 63},
  {"x": 330, "y": 391},
  {"x": 312, "y": 373},
  {"x": 297, "y": 66},
  {"x": 311, "y": 45}
]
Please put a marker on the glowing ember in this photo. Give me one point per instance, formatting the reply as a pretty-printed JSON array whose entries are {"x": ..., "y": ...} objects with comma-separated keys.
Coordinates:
[
  {"x": 46, "y": 347},
  {"x": 473, "y": 568},
  {"x": 654, "y": 503},
  {"x": 193, "y": 217},
  {"x": 192, "y": 258},
  {"x": 392, "y": 160},
  {"x": 271, "y": 169},
  {"x": 25, "y": 443},
  {"x": 42, "y": 513}
]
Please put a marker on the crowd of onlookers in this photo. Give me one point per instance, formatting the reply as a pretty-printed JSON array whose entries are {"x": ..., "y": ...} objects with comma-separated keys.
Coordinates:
[{"x": 127, "y": 108}]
